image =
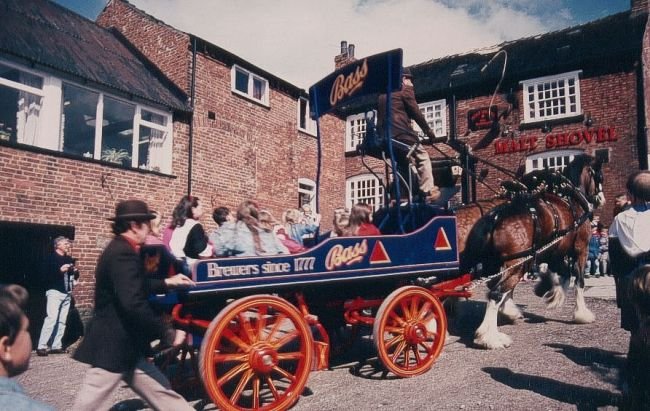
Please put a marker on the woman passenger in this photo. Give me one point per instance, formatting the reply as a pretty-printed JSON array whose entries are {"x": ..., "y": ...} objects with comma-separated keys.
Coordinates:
[{"x": 188, "y": 239}]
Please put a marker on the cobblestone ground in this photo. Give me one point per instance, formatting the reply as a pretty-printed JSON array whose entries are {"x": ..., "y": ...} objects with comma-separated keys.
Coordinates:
[{"x": 552, "y": 364}]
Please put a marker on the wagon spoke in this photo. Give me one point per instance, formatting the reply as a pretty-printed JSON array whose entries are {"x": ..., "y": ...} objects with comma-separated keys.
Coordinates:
[
  {"x": 406, "y": 313},
  {"x": 407, "y": 357},
  {"x": 279, "y": 319},
  {"x": 393, "y": 341},
  {"x": 428, "y": 348},
  {"x": 416, "y": 354},
  {"x": 291, "y": 356},
  {"x": 256, "y": 392},
  {"x": 415, "y": 302},
  {"x": 234, "y": 398},
  {"x": 284, "y": 373},
  {"x": 261, "y": 319},
  {"x": 232, "y": 373},
  {"x": 399, "y": 350},
  {"x": 394, "y": 330},
  {"x": 286, "y": 339},
  {"x": 397, "y": 319},
  {"x": 230, "y": 357},
  {"x": 247, "y": 328},
  {"x": 426, "y": 308},
  {"x": 271, "y": 385},
  {"x": 432, "y": 316},
  {"x": 230, "y": 335}
]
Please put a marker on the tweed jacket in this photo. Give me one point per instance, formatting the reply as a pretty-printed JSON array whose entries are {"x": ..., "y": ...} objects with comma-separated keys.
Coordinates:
[
  {"x": 124, "y": 323},
  {"x": 404, "y": 107}
]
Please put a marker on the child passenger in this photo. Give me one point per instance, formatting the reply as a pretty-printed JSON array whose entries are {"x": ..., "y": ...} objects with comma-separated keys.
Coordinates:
[
  {"x": 361, "y": 221},
  {"x": 250, "y": 238},
  {"x": 189, "y": 239},
  {"x": 295, "y": 226}
]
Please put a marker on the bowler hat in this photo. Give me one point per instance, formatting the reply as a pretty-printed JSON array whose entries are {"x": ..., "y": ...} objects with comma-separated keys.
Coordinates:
[
  {"x": 406, "y": 72},
  {"x": 133, "y": 210}
]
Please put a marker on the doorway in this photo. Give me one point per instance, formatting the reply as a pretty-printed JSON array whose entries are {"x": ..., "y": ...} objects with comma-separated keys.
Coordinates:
[{"x": 23, "y": 248}]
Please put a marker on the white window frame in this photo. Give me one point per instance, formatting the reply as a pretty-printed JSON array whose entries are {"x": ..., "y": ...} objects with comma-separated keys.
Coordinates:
[
  {"x": 353, "y": 196},
  {"x": 52, "y": 111},
  {"x": 249, "y": 93},
  {"x": 311, "y": 193},
  {"x": 355, "y": 131},
  {"x": 309, "y": 122},
  {"x": 533, "y": 104},
  {"x": 552, "y": 160},
  {"x": 50, "y": 104},
  {"x": 429, "y": 111}
]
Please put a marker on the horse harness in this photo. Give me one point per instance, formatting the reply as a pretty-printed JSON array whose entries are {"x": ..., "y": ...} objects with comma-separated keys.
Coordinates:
[{"x": 557, "y": 234}]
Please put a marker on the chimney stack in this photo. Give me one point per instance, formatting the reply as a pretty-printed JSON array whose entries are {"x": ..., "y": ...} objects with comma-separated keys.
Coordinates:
[{"x": 346, "y": 56}]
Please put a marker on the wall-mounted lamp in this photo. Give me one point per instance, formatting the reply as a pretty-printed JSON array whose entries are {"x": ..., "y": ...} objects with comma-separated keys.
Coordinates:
[
  {"x": 588, "y": 120},
  {"x": 546, "y": 128}
]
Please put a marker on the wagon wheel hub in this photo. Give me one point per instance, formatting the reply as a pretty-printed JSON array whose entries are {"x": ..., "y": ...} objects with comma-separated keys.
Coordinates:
[
  {"x": 415, "y": 333},
  {"x": 263, "y": 358}
]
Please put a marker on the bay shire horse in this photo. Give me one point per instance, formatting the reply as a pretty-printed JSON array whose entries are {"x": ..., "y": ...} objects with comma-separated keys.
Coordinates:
[{"x": 547, "y": 221}]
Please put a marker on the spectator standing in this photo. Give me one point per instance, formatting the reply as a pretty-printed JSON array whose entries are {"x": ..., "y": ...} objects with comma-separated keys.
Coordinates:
[
  {"x": 124, "y": 323},
  {"x": 593, "y": 259},
  {"x": 621, "y": 203},
  {"x": 59, "y": 274},
  {"x": 15, "y": 349},
  {"x": 629, "y": 239},
  {"x": 604, "y": 252}
]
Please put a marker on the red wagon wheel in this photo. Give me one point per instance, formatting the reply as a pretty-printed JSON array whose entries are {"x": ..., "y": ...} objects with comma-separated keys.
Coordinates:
[
  {"x": 409, "y": 331},
  {"x": 256, "y": 354}
]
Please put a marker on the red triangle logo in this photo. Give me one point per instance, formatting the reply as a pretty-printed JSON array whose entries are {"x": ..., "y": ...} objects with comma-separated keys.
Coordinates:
[
  {"x": 379, "y": 254},
  {"x": 442, "y": 242}
]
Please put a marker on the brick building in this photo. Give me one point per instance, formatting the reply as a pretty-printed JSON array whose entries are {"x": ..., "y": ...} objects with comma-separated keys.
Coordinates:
[
  {"x": 581, "y": 89},
  {"x": 92, "y": 113}
]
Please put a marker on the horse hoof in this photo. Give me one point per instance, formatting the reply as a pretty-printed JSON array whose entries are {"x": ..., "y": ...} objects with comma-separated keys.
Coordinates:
[
  {"x": 492, "y": 342},
  {"x": 583, "y": 317}
]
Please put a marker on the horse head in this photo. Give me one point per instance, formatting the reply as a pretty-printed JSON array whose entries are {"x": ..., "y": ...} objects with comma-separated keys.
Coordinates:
[{"x": 586, "y": 174}]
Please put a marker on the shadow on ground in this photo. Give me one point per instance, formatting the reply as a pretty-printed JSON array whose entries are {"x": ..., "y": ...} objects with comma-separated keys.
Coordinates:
[{"x": 584, "y": 398}]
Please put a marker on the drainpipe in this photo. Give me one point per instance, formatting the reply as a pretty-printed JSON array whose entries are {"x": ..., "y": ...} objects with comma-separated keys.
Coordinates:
[
  {"x": 642, "y": 127},
  {"x": 191, "y": 140}
]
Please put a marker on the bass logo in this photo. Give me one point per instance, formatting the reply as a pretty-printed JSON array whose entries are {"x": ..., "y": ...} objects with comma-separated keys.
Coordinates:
[
  {"x": 345, "y": 86},
  {"x": 339, "y": 256}
]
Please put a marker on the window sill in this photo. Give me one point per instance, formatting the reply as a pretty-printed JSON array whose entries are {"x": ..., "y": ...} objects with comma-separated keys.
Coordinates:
[
  {"x": 45, "y": 151},
  {"x": 556, "y": 121},
  {"x": 251, "y": 99},
  {"x": 307, "y": 132}
]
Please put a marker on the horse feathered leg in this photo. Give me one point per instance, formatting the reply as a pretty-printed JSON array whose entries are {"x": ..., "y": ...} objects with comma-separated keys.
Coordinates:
[
  {"x": 550, "y": 287},
  {"x": 581, "y": 314},
  {"x": 487, "y": 335},
  {"x": 510, "y": 310}
]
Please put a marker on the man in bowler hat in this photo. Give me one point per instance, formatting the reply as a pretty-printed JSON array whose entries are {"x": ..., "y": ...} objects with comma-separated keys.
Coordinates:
[{"x": 124, "y": 324}]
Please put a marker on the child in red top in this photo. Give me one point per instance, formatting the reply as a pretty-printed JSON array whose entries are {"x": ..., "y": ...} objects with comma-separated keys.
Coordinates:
[{"x": 361, "y": 221}]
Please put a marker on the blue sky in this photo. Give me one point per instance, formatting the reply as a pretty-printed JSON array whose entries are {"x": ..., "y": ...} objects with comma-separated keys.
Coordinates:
[{"x": 297, "y": 39}]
